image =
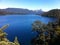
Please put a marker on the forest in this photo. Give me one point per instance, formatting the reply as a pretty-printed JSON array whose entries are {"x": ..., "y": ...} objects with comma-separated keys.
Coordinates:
[
  {"x": 48, "y": 34},
  {"x": 52, "y": 13}
]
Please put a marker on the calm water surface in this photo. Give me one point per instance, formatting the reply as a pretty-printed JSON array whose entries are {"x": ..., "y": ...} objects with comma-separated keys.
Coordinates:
[{"x": 21, "y": 26}]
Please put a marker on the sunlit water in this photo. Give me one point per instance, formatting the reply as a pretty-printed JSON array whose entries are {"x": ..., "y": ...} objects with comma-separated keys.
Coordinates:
[{"x": 21, "y": 26}]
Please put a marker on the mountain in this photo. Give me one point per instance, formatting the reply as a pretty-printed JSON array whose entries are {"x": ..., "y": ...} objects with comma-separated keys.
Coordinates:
[
  {"x": 19, "y": 11},
  {"x": 52, "y": 13},
  {"x": 39, "y": 12}
]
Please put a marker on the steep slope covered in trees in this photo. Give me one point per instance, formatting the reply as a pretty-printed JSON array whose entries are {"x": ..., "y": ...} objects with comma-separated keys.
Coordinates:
[{"x": 52, "y": 13}]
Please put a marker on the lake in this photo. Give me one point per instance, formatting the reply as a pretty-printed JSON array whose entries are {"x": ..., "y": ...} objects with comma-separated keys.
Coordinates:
[{"x": 21, "y": 26}]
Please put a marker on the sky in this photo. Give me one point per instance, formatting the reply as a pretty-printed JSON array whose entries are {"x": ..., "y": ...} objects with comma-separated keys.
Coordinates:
[{"x": 45, "y": 5}]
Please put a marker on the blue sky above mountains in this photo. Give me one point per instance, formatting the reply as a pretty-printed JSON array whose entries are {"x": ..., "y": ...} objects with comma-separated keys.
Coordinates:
[{"x": 45, "y": 5}]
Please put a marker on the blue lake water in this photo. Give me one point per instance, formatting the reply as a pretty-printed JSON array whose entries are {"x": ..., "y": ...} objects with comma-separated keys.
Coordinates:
[{"x": 21, "y": 26}]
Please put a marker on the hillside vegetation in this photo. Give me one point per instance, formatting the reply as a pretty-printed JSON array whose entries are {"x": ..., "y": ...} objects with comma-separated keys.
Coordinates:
[{"x": 52, "y": 13}]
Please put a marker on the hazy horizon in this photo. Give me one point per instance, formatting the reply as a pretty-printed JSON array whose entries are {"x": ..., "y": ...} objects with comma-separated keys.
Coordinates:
[{"x": 45, "y": 5}]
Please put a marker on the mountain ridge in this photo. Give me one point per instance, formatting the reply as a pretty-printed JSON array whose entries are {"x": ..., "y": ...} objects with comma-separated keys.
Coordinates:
[{"x": 19, "y": 11}]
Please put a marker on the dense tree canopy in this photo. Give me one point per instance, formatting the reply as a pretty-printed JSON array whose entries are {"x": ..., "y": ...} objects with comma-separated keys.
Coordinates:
[
  {"x": 48, "y": 34},
  {"x": 52, "y": 13}
]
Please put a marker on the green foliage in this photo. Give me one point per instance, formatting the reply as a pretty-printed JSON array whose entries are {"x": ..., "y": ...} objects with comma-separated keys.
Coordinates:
[
  {"x": 4, "y": 40},
  {"x": 52, "y": 13},
  {"x": 51, "y": 28}
]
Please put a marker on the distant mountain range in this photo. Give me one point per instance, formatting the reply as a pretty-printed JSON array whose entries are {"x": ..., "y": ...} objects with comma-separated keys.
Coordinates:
[{"x": 19, "y": 11}]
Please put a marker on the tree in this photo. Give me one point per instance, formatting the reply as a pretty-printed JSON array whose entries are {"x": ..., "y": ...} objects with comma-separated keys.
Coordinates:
[
  {"x": 40, "y": 28},
  {"x": 46, "y": 33}
]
